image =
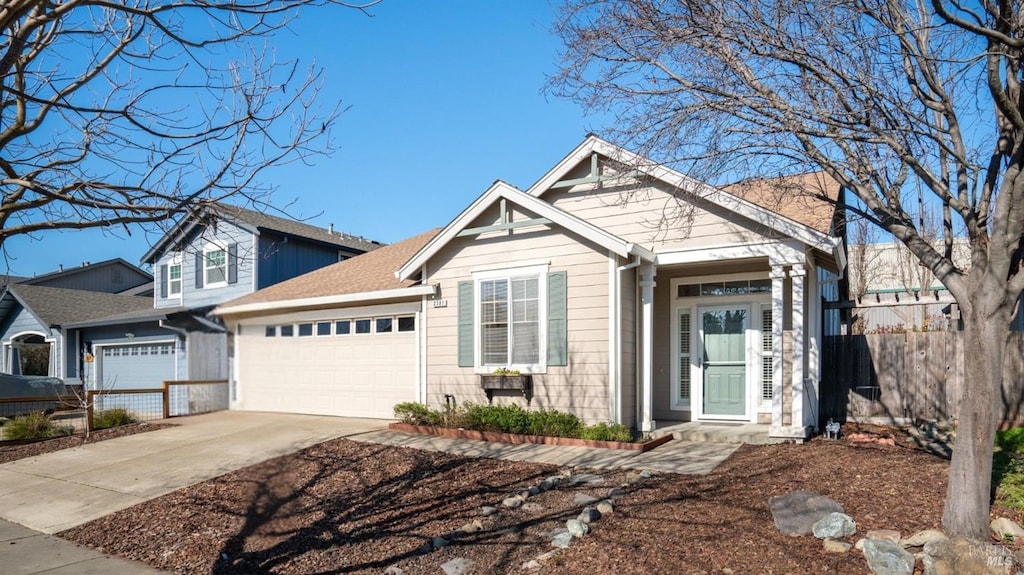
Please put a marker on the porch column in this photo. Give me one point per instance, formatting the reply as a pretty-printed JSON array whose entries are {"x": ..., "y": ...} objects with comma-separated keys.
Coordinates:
[
  {"x": 778, "y": 277},
  {"x": 797, "y": 274},
  {"x": 647, "y": 345}
]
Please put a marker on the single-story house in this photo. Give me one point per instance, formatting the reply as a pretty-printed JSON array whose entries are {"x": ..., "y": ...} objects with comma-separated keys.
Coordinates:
[{"x": 627, "y": 291}]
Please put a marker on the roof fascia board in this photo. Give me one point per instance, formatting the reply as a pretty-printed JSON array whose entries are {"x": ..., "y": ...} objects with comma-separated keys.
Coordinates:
[
  {"x": 28, "y": 308},
  {"x": 733, "y": 203},
  {"x": 284, "y": 305},
  {"x": 116, "y": 321},
  {"x": 536, "y": 205}
]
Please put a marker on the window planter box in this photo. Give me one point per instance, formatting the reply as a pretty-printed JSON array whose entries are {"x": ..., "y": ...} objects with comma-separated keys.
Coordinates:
[
  {"x": 521, "y": 383},
  {"x": 515, "y": 439}
]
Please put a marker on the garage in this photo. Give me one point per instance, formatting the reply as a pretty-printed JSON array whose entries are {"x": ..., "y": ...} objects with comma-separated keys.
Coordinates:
[
  {"x": 357, "y": 366},
  {"x": 135, "y": 366}
]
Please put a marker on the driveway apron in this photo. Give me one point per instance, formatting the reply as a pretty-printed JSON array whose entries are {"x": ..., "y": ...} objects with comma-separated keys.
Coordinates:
[{"x": 64, "y": 489}]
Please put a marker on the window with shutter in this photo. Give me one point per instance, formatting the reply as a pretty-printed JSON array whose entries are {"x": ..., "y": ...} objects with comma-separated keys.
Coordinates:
[{"x": 515, "y": 323}]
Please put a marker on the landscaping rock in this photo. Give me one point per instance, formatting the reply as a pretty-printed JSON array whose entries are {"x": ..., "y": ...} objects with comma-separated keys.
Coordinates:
[
  {"x": 524, "y": 494},
  {"x": 960, "y": 556},
  {"x": 887, "y": 558},
  {"x": 534, "y": 490},
  {"x": 1006, "y": 530},
  {"x": 582, "y": 499},
  {"x": 487, "y": 510},
  {"x": 530, "y": 565},
  {"x": 586, "y": 479},
  {"x": 834, "y": 526},
  {"x": 562, "y": 540},
  {"x": 646, "y": 474},
  {"x": 615, "y": 493},
  {"x": 439, "y": 542},
  {"x": 512, "y": 502},
  {"x": 795, "y": 513},
  {"x": 833, "y": 546},
  {"x": 577, "y": 528},
  {"x": 550, "y": 482},
  {"x": 472, "y": 527},
  {"x": 859, "y": 545},
  {"x": 458, "y": 566},
  {"x": 531, "y": 507},
  {"x": 922, "y": 538},
  {"x": 884, "y": 535},
  {"x": 393, "y": 570},
  {"x": 606, "y": 507},
  {"x": 589, "y": 515}
]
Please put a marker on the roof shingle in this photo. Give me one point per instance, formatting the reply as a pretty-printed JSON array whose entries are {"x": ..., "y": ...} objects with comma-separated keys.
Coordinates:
[
  {"x": 809, "y": 199},
  {"x": 372, "y": 271},
  {"x": 61, "y": 306}
]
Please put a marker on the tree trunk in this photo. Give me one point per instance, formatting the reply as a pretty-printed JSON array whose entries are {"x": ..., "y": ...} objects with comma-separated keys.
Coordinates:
[{"x": 968, "y": 495}]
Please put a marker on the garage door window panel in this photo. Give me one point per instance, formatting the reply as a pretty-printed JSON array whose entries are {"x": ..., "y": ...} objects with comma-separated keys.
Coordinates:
[
  {"x": 323, "y": 328},
  {"x": 342, "y": 327},
  {"x": 407, "y": 323},
  {"x": 305, "y": 330},
  {"x": 384, "y": 324},
  {"x": 362, "y": 326},
  {"x": 287, "y": 330}
]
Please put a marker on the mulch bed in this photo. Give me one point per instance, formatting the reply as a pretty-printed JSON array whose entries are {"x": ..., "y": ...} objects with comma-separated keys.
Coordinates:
[
  {"x": 349, "y": 507},
  {"x": 13, "y": 452}
]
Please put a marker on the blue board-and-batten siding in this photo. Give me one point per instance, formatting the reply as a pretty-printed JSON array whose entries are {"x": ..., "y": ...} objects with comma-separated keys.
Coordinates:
[
  {"x": 282, "y": 258},
  {"x": 225, "y": 235}
]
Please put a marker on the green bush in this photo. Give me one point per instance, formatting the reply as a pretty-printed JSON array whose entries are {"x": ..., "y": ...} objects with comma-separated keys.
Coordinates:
[
  {"x": 414, "y": 413},
  {"x": 505, "y": 418},
  {"x": 35, "y": 425},
  {"x": 1008, "y": 467},
  {"x": 607, "y": 432},
  {"x": 554, "y": 423},
  {"x": 114, "y": 417}
]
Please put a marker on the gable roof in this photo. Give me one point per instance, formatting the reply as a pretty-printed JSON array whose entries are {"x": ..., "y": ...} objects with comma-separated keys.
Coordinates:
[
  {"x": 362, "y": 278},
  {"x": 533, "y": 204},
  {"x": 793, "y": 227},
  {"x": 255, "y": 221},
  {"x": 62, "y": 307},
  {"x": 142, "y": 277},
  {"x": 809, "y": 198}
]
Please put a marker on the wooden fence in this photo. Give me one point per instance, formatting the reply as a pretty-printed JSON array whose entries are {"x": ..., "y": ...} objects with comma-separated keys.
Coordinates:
[{"x": 904, "y": 376}]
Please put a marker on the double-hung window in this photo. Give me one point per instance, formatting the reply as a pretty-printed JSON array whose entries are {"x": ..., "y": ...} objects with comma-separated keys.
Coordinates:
[
  {"x": 510, "y": 319},
  {"x": 215, "y": 266},
  {"x": 174, "y": 278}
]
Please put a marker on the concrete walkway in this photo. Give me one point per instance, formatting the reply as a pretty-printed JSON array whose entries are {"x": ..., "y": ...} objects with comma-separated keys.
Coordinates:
[
  {"x": 673, "y": 457},
  {"x": 60, "y": 490},
  {"x": 27, "y": 552}
]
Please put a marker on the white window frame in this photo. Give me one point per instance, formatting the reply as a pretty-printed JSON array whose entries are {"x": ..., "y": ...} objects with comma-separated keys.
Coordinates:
[
  {"x": 207, "y": 250},
  {"x": 176, "y": 263},
  {"x": 540, "y": 272}
]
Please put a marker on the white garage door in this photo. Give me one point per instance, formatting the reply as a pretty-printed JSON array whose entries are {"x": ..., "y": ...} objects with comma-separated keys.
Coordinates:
[
  {"x": 328, "y": 368},
  {"x": 135, "y": 366}
]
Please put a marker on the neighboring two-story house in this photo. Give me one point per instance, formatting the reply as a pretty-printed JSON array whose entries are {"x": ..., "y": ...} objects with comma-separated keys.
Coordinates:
[{"x": 221, "y": 254}]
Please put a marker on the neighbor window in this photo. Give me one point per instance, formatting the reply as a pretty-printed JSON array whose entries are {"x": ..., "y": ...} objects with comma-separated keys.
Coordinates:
[
  {"x": 215, "y": 266},
  {"x": 510, "y": 321},
  {"x": 174, "y": 278}
]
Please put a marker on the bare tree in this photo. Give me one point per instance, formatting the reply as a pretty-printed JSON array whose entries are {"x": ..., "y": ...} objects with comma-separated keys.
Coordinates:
[
  {"x": 883, "y": 95},
  {"x": 862, "y": 258},
  {"x": 119, "y": 113}
]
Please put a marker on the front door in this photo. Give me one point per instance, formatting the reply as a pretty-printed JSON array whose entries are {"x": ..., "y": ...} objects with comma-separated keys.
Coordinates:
[{"x": 723, "y": 335}]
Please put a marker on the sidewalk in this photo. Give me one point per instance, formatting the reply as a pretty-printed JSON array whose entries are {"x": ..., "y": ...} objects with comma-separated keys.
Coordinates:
[
  {"x": 27, "y": 552},
  {"x": 687, "y": 457}
]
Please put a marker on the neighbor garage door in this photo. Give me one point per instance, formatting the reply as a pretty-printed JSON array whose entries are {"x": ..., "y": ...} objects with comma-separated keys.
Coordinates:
[
  {"x": 135, "y": 366},
  {"x": 354, "y": 368}
]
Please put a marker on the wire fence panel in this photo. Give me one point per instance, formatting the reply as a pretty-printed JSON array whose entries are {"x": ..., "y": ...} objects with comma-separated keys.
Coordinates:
[
  {"x": 195, "y": 397},
  {"x": 141, "y": 404}
]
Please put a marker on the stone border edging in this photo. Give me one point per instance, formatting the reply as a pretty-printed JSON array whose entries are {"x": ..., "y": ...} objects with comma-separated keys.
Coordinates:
[{"x": 517, "y": 439}]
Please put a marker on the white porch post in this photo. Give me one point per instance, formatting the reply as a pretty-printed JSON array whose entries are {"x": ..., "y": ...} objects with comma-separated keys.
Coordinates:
[
  {"x": 778, "y": 277},
  {"x": 647, "y": 339},
  {"x": 797, "y": 274}
]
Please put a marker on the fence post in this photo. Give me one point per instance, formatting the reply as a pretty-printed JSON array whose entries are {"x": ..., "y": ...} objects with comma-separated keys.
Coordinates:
[
  {"x": 89, "y": 397},
  {"x": 167, "y": 401}
]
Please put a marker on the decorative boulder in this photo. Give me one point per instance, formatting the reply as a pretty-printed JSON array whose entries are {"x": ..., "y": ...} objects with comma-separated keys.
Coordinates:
[
  {"x": 1006, "y": 530},
  {"x": 834, "y": 526},
  {"x": 887, "y": 558},
  {"x": 796, "y": 513}
]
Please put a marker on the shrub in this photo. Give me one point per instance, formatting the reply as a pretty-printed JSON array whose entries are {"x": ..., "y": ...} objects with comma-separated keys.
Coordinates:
[
  {"x": 554, "y": 423},
  {"x": 414, "y": 413},
  {"x": 607, "y": 432},
  {"x": 114, "y": 417},
  {"x": 1008, "y": 467},
  {"x": 35, "y": 425},
  {"x": 505, "y": 418}
]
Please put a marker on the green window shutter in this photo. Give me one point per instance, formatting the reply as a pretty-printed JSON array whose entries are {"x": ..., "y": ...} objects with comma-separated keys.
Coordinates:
[
  {"x": 558, "y": 345},
  {"x": 466, "y": 355}
]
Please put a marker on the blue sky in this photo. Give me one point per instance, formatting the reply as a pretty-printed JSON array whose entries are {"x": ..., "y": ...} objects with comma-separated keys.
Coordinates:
[{"x": 445, "y": 97}]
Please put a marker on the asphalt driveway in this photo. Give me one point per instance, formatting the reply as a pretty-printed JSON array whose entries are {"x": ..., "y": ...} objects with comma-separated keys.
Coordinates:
[{"x": 60, "y": 490}]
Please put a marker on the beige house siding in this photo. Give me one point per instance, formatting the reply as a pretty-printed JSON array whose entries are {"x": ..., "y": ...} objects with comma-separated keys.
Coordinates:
[
  {"x": 652, "y": 217},
  {"x": 580, "y": 387}
]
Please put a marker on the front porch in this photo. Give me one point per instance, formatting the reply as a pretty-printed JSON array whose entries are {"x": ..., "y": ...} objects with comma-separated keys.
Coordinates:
[{"x": 705, "y": 432}]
